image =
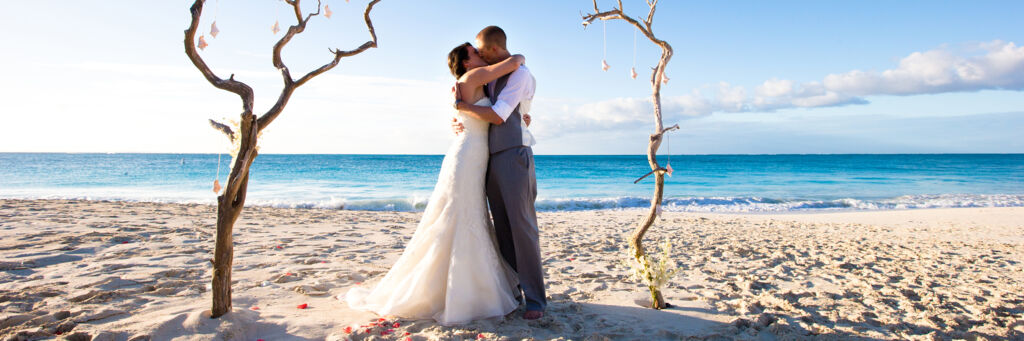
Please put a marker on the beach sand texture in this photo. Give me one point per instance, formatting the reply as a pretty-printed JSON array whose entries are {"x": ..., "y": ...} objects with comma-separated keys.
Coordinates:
[{"x": 82, "y": 270}]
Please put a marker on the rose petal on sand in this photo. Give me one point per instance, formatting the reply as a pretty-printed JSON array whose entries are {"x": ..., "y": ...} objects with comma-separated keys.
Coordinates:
[
  {"x": 396, "y": 325},
  {"x": 254, "y": 308},
  {"x": 348, "y": 330},
  {"x": 303, "y": 306},
  {"x": 480, "y": 336}
]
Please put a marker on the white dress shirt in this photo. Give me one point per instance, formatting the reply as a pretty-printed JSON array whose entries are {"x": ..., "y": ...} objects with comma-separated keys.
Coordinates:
[{"x": 518, "y": 91}]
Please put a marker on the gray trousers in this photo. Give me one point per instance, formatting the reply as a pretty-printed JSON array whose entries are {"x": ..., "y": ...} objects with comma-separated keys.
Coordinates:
[{"x": 511, "y": 193}]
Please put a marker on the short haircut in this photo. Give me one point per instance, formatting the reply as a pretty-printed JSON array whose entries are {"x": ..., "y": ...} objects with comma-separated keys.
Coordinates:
[{"x": 492, "y": 36}]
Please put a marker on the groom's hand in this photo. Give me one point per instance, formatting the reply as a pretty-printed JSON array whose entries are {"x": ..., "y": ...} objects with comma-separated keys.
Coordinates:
[
  {"x": 526, "y": 118},
  {"x": 457, "y": 126}
]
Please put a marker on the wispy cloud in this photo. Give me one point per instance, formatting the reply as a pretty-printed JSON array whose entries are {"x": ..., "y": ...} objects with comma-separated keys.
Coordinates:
[{"x": 984, "y": 66}]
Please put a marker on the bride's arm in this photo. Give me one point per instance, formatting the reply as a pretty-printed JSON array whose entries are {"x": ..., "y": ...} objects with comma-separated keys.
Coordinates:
[
  {"x": 485, "y": 74},
  {"x": 480, "y": 112}
]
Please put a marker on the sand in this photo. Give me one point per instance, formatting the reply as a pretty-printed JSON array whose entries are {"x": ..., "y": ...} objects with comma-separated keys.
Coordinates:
[{"x": 94, "y": 270}]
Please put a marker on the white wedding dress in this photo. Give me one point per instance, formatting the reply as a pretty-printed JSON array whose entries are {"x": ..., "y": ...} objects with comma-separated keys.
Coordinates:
[{"x": 451, "y": 270}]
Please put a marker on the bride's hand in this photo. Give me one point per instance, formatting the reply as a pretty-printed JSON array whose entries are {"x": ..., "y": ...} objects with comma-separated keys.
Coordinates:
[
  {"x": 526, "y": 118},
  {"x": 457, "y": 126}
]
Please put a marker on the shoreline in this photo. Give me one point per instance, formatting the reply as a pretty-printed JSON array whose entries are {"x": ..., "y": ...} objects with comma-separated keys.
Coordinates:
[
  {"x": 612, "y": 209},
  {"x": 117, "y": 270}
]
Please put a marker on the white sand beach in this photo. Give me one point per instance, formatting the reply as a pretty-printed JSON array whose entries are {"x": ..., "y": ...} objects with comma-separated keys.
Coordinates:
[{"x": 95, "y": 270}]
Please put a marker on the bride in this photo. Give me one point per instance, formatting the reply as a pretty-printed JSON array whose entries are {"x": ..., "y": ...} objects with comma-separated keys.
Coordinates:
[{"x": 451, "y": 270}]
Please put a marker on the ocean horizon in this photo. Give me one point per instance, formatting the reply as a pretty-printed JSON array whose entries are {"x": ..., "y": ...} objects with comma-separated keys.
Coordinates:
[{"x": 403, "y": 182}]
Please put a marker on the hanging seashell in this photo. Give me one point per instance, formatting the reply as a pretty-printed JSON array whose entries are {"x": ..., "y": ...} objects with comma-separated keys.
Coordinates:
[
  {"x": 604, "y": 65},
  {"x": 213, "y": 30},
  {"x": 668, "y": 170},
  {"x": 664, "y": 78},
  {"x": 585, "y": 23},
  {"x": 202, "y": 43},
  {"x": 327, "y": 11},
  {"x": 276, "y": 28},
  {"x": 657, "y": 211},
  {"x": 216, "y": 186},
  {"x": 632, "y": 72}
]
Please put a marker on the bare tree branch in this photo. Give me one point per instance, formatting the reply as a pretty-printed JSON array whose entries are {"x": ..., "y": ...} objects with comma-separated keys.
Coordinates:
[
  {"x": 224, "y": 128},
  {"x": 239, "y": 88},
  {"x": 636, "y": 240},
  {"x": 231, "y": 202},
  {"x": 289, "y": 84}
]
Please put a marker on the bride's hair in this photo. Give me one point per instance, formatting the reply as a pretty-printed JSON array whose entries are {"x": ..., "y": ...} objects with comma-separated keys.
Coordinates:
[{"x": 456, "y": 60}]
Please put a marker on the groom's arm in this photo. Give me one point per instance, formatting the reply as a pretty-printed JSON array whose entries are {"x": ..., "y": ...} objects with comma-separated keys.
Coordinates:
[{"x": 520, "y": 87}]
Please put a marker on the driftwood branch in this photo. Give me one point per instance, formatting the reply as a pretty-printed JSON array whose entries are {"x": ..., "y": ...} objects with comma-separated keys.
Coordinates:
[
  {"x": 224, "y": 128},
  {"x": 289, "y": 83},
  {"x": 657, "y": 75},
  {"x": 231, "y": 202},
  {"x": 660, "y": 169},
  {"x": 230, "y": 84}
]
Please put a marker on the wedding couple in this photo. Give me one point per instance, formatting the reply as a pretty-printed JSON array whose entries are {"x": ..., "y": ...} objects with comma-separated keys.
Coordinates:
[{"x": 459, "y": 266}]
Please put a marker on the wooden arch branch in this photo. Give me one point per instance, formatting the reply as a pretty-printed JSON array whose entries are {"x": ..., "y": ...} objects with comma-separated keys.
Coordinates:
[
  {"x": 231, "y": 202},
  {"x": 645, "y": 26}
]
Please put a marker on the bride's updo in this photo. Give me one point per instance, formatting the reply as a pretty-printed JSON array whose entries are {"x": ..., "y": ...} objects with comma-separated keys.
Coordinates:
[{"x": 457, "y": 59}]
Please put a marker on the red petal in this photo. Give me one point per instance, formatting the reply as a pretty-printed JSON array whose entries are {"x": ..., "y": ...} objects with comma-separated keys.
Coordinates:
[
  {"x": 124, "y": 242},
  {"x": 480, "y": 336},
  {"x": 381, "y": 320},
  {"x": 254, "y": 308},
  {"x": 406, "y": 334},
  {"x": 303, "y": 306},
  {"x": 289, "y": 274},
  {"x": 348, "y": 330},
  {"x": 396, "y": 325}
]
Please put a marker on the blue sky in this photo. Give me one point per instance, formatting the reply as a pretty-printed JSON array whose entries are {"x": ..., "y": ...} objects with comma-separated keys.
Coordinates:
[{"x": 747, "y": 76}]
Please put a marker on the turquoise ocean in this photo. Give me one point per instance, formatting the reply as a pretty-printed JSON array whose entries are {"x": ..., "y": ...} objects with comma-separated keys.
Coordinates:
[{"x": 700, "y": 183}]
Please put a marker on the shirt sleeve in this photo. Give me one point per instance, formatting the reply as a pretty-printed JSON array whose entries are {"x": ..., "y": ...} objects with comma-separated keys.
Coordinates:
[{"x": 517, "y": 89}]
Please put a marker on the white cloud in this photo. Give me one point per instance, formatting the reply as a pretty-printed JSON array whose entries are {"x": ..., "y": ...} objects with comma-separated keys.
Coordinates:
[
  {"x": 993, "y": 65},
  {"x": 938, "y": 71}
]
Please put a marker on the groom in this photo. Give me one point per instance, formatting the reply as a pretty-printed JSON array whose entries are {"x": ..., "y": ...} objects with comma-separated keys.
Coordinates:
[{"x": 511, "y": 184}]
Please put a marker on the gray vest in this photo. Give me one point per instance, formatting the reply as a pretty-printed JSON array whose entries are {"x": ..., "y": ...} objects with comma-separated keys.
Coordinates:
[{"x": 508, "y": 134}]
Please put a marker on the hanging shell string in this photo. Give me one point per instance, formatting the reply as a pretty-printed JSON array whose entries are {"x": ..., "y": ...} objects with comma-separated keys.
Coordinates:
[
  {"x": 213, "y": 27},
  {"x": 632, "y": 71},
  {"x": 668, "y": 164},
  {"x": 604, "y": 56},
  {"x": 277, "y": 25},
  {"x": 216, "y": 181}
]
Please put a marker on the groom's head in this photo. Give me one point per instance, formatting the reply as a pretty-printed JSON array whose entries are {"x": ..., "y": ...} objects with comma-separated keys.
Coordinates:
[{"x": 490, "y": 43}]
